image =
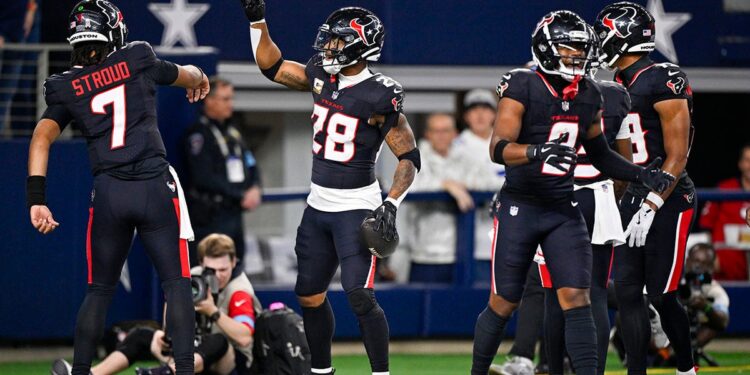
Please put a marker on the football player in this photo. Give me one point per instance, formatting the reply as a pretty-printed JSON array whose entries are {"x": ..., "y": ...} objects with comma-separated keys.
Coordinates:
[
  {"x": 596, "y": 197},
  {"x": 657, "y": 222},
  {"x": 354, "y": 110},
  {"x": 109, "y": 92},
  {"x": 543, "y": 117}
]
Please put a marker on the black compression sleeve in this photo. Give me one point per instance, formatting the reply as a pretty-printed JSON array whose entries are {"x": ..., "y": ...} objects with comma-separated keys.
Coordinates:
[
  {"x": 163, "y": 72},
  {"x": 610, "y": 162},
  {"x": 270, "y": 73},
  {"x": 412, "y": 156},
  {"x": 59, "y": 114}
]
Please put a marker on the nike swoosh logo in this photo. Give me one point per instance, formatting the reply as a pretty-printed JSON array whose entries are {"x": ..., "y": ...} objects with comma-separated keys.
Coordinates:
[
  {"x": 507, "y": 76},
  {"x": 672, "y": 73},
  {"x": 239, "y": 303},
  {"x": 545, "y": 149},
  {"x": 574, "y": 204}
]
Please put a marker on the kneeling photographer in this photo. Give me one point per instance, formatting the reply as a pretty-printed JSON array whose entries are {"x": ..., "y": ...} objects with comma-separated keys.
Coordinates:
[
  {"x": 706, "y": 301},
  {"x": 226, "y": 309}
]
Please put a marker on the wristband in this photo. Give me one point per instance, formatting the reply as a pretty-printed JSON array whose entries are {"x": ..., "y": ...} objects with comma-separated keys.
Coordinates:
[
  {"x": 393, "y": 201},
  {"x": 497, "y": 153},
  {"x": 213, "y": 318},
  {"x": 35, "y": 191},
  {"x": 655, "y": 199}
]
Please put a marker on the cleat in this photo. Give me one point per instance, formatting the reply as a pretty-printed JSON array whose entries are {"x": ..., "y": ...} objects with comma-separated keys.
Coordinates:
[
  {"x": 515, "y": 365},
  {"x": 61, "y": 367}
]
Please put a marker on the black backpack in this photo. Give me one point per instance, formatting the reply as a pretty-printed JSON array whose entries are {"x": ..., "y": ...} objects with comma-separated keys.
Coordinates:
[{"x": 280, "y": 343}]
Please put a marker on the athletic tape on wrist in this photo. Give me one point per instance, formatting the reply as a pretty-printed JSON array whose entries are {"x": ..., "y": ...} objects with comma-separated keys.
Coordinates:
[{"x": 655, "y": 199}]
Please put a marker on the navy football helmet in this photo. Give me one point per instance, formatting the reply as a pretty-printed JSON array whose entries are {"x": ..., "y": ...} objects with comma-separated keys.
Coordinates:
[
  {"x": 562, "y": 29},
  {"x": 623, "y": 28},
  {"x": 97, "y": 21},
  {"x": 361, "y": 32}
]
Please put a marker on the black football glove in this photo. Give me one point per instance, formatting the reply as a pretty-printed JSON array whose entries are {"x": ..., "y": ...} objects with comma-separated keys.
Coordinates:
[
  {"x": 655, "y": 178},
  {"x": 385, "y": 220},
  {"x": 553, "y": 153},
  {"x": 255, "y": 10}
]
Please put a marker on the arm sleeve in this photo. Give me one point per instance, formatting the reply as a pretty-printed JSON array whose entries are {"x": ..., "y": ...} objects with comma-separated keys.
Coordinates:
[
  {"x": 608, "y": 161},
  {"x": 241, "y": 309},
  {"x": 201, "y": 167},
  {"x": 59, "y": 114},
  {"x": 162, "y": 72},
  {"x": 514, "y": 85}
]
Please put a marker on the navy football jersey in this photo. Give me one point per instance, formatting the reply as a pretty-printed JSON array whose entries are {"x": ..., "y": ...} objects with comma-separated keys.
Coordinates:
[
  {"x": 616, "y": 108},
  {"x": 345, "y": 146},
  {"x": 546, "y": 117},
  {"x": 114, "y": 106},
  {"x": 649, "y": 83}
]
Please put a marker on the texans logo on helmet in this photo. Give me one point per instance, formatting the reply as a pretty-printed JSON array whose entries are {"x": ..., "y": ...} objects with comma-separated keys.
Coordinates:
[
  {"x": 367, "y": 31},
  {"x": 676, "y": 85},
  {"x": 543, "y": 22},
  {"x": 620, "y": 24},
  {"x": 113, "y": 15}
]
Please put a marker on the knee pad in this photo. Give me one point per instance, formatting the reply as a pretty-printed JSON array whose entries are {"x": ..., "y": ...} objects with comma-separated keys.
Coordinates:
[
  {"x": 101, "y": 290},
  {"x": 212, "y": 348},
  {"x": 361, "y": 300},
  {"x": 137, "y": 344}
]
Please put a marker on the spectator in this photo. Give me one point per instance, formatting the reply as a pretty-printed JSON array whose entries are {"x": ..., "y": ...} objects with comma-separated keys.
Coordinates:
[
  {"x": 727, "y": 222},
  {"x": 479, "y": 115},
  {"x": 433, "y": 239},
  {"x": 19, "y": 23},
  {"x": 223, "y": 175},
  {"x": 225, "y": 323}
]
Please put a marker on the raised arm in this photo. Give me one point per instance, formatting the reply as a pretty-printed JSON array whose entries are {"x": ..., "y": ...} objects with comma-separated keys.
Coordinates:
[
  {"x": 267, "y": 55},
  {"x": 45, "y": 133}
]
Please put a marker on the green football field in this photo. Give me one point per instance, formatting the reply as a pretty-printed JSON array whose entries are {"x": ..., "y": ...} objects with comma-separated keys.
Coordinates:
[{"x": 444, "y": 364}]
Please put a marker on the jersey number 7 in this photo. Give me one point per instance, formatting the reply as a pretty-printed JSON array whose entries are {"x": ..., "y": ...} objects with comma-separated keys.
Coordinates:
[
  {"x": 340, "y": 132},
  {"x": 116, "y": 98}
]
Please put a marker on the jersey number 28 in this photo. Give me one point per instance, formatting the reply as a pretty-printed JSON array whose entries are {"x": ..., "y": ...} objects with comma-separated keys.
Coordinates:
[
  {"x": 116, "y": 98},
  {"x": 340, "y": 131}
]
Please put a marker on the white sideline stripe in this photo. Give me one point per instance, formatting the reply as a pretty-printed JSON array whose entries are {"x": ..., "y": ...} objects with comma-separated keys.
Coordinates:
[{"x": 674, "y": 256}]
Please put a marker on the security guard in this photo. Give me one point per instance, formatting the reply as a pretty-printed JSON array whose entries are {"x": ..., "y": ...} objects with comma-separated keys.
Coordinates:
[{"x": 224, "y": 177}]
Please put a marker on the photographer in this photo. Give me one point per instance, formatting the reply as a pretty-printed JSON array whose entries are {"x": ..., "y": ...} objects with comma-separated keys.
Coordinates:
[
  {"x": 706, "y": 300},
  {"x": 226, "y": 308}
]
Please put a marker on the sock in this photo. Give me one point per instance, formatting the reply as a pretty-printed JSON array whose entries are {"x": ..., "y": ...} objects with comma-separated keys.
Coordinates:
[
  {"x": 601, "y": 321},
  {"x": 488, "y": 333},
  {"x": 554, "y": 332},
  {"x": 636, "y": 329},
  {"x": 676, "y": 325},
  {"x": 689, "y": 372},
  {"x": 180, "y": 323},
  {"x": 319, "y": 327},
  {"x": 375, "y": 333},
  {"x": 90, "y": 326},
  {"x": 580, "y": 339}
]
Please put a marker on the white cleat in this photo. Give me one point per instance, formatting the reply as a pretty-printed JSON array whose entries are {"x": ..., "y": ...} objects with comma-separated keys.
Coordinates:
[
  {"x": 61, "y": 367},
  {"x": 515, "y": 365}
]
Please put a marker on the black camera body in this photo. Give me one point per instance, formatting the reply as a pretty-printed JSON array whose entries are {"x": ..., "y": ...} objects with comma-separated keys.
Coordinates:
[
  {"x": 203, "y": 283},
  {"x": 692, "y": 284}
]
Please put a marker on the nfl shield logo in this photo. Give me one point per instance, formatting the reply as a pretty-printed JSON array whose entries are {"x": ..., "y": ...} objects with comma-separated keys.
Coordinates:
[
  {"x": 513, "y": 210},
  {"x": 335, "y": 95},
  {"x": 565, "y": 106}
]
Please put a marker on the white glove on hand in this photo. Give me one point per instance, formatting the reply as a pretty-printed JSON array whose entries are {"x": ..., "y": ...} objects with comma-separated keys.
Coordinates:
[{"x": 639, "y": 225}]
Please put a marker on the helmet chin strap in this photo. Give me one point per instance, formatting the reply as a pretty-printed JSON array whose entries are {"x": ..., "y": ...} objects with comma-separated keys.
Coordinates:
[{"x": 334, "y": 67}]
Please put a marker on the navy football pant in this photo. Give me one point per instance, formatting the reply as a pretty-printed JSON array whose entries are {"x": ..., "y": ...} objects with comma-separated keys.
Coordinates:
[
  {"x": 325, "y": 240},
  {"x": 560, "y": 230},
  {"x": 658, "y": 266},
  {"x": 118, "y": 209}
]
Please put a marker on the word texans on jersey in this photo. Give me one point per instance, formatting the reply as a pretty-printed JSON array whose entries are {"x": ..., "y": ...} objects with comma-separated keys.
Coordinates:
[{"x": 101, "y": 78}]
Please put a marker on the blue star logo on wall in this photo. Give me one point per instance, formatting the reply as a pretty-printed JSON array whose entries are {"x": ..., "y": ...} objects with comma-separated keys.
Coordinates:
[
  {"x": 179, "y": 18},
  {"x": 666, "y": 25}
]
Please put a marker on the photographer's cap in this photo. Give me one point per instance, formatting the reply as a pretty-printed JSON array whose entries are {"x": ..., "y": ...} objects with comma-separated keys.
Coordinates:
[{"x": 479, "y": 97}]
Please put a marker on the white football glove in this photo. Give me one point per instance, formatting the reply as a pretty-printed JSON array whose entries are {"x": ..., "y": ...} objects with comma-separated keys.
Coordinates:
[{"x": 639, "y": 225}]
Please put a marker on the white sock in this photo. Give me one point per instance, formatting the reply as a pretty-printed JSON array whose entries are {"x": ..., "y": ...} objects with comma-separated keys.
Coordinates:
[
  {"x": 322, "y": 370},
  {"x": 382, "y": 373},
  {"x": 689, "y": 372}
]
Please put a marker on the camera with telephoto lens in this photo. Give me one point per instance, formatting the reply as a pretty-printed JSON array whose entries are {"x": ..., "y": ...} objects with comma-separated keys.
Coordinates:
[
  {"x": 692, "y": 284},
  {"x": 201, "y": 284}
]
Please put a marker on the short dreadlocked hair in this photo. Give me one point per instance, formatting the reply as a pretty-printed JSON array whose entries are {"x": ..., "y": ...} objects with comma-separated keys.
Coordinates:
[{"x": 92, "y": 53}]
